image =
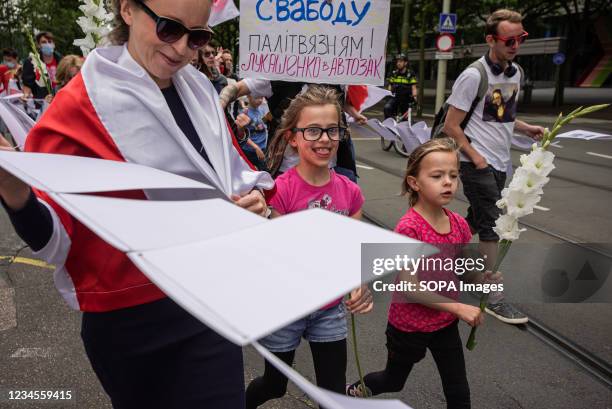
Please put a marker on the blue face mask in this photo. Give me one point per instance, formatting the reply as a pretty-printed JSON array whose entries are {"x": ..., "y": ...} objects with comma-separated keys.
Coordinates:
[
  {"x": 47, "y": 49},
  {"x": 10, "y": 64}
]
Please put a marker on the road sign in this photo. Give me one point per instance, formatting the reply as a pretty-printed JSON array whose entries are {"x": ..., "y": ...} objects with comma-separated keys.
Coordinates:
[
  {"x": 448, "y": 23},
  {"x": 445, "y": 42},
  {"x": 444, "y": 55},
  {"x": 558, "y": 58}
]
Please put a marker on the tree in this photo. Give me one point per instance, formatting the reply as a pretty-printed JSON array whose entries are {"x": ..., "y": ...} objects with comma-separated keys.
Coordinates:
[{"x": 57, "y": 16}]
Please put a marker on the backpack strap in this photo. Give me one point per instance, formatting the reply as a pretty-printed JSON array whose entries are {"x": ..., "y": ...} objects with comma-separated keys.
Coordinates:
[
  {"x": 522, "y": 80},
  {"x": 483, "y": 85}
]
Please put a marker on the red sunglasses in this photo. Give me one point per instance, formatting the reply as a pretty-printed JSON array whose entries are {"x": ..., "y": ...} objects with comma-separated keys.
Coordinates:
[
  {"x": 511, "y": 41},
  {"x": 170, "y": 31}
]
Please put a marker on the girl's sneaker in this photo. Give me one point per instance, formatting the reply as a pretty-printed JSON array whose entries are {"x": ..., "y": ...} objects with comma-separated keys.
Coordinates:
[{"x": 355, "y": 390}]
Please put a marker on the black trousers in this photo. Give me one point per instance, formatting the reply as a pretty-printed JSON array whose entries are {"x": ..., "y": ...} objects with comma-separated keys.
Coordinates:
[
  {"x": 483, "y": 188},
  {"x": 407, "y": 348},
  {"x": 397, "y": 105},
  {"x": 157, "y": 355},
  {"x": 330, "y": 369}
]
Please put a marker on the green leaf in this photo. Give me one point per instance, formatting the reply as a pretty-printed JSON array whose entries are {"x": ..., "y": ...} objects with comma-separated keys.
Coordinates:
[{"x": 592, "y": 108}]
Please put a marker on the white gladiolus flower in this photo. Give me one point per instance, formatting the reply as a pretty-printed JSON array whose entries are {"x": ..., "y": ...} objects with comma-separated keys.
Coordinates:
[
  {"x": 507, "y": 228},
  {"x": 524, "y": 192},
  {"x": 528, "y": 181},
  {"x": 519, "y": 203},
  {"x": 539, "y": 161},
  {"x": 87, "y": 44},
  {"x": 95, "y": 23},
  {"x": 89, "y": 9},
  {"x": 87, "y": 24}
]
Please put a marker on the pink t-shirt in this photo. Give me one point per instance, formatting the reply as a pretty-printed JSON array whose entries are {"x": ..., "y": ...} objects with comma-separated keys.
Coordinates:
[
  {"x": 409, "y": 317},
  {"x": 294, "y": 194}
]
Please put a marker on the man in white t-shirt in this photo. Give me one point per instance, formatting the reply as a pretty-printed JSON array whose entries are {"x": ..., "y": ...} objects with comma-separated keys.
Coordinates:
[{"x": 485, "y": 142}]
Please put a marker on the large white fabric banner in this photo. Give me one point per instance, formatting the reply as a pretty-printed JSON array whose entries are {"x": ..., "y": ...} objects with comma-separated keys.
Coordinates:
[{"x": 317, "y": 41}]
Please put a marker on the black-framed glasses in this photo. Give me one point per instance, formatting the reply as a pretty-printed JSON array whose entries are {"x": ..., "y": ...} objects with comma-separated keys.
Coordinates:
[
  {"x": 314, "y": 133},
  {"x": 170, "y": 31}
]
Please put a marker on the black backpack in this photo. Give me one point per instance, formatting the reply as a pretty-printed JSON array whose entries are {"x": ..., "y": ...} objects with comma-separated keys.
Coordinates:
[{"x": 438, "y": 125}]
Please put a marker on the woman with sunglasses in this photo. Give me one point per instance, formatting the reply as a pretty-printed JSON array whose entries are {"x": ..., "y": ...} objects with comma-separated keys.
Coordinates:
[
  {"x": 140, "y": 101},
  {"x": 207, "y": 65}
]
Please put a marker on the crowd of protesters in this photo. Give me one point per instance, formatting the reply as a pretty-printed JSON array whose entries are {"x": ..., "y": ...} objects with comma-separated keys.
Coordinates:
[
  {"x": 299, "y": 134},
  {"x": 21, "y": 76}
]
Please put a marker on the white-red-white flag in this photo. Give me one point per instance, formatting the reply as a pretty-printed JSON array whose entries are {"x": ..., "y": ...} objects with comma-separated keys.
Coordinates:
[
  {"x": 363, "y": 97},
  {"x": 222, "y": 11}
]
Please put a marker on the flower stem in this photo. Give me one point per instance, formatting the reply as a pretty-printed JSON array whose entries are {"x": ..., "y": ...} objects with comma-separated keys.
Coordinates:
[
  {"x": 38, "y": 63},
  {"x": 354, "y": 335},
  {"x": 503, "y": 247}
]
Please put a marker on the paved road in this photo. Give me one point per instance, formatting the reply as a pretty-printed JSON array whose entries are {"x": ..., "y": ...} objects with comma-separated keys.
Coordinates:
[{"x": 509, "y": 369}]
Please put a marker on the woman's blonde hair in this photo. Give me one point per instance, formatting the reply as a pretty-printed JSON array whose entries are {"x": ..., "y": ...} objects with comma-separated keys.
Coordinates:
[
  {"x": 315, "y": 95},
  {"x": 63, "y": 68},
  {"x": 416, "y": 157}
]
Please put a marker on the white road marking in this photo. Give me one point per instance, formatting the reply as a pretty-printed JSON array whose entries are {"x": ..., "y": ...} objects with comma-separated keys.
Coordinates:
[
  {"x": 364, "y": 167},
  {"x": 544, "y": 209},
  {"x": 32, "y": 353},
  {"x": 599, "y": 155}
]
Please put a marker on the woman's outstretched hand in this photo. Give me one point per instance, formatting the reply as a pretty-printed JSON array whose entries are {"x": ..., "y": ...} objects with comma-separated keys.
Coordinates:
[{"x": 13, "y": 191}]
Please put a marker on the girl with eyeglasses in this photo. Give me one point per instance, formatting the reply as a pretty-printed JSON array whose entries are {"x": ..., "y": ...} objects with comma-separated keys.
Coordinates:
[
  {"x": 140, "y": 101},
  {"x": 310, "y": 125}
]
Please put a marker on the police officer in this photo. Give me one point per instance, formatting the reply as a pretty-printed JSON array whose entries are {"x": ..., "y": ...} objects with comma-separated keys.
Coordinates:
[{"x": 402, "y": 83}]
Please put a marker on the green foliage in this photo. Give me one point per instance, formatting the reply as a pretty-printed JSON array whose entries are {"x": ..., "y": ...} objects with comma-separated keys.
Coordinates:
[
  {"x": 57, "y": 16},
  {"x": 227, "y": 34}
]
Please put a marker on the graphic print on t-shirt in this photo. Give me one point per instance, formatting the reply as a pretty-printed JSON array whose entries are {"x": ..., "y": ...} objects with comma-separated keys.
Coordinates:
[
  {"x": 500, "y": 103},
  {"x": 326, "y": 203}
]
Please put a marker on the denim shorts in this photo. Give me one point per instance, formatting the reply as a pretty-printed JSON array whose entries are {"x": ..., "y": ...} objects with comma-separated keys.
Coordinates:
[
  {"x": 482, "y": 187},
  {"x": 321, "y": 326}
]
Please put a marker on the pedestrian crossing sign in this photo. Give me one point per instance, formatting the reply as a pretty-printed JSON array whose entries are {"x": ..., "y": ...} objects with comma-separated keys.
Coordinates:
[{"x": 448, "y": 23}]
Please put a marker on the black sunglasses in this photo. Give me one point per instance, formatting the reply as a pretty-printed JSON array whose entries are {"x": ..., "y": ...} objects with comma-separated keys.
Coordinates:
[
  {"x": 314, "y": 133},
  {"x": 170, "y": 31}
]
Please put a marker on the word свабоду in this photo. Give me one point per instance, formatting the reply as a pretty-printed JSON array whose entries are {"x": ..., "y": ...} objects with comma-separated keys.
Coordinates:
[{"x": 336, "y": 11}]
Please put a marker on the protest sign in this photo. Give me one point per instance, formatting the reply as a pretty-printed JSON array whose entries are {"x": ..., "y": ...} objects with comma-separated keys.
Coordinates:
[{"x": 317, "y": 41}]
